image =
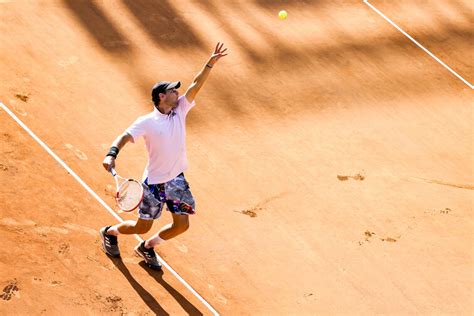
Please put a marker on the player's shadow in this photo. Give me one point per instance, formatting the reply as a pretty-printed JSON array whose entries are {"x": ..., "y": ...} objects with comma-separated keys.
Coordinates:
[
  {"x": 185, "y": 304},
  {"x": 144, "y": 294}
]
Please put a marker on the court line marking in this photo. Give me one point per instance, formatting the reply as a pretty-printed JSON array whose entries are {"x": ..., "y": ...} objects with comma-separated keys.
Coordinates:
[
  {"x": 102, "y": 202},
  {"x": 418, "y": 44}
]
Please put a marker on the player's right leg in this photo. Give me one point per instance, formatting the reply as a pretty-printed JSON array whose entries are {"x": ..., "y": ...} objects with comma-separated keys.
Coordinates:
[
  {"x": 109, "y": 234},
  {"x": 140, "y": 226}
]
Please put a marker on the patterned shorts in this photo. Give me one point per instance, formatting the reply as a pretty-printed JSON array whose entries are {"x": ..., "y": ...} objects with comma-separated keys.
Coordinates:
[{"x": 175, "y": 193}]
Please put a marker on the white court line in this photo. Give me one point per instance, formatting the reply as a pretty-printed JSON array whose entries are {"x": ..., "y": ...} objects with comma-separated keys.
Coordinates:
[
  {"x": 88, "y": 189},
  {"x": 419, "y": 45}
]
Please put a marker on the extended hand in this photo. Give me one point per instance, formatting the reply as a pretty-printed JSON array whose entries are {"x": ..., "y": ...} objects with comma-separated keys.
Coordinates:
[
  {"x": 109, "y": 162},
  {"x": 217, "y": 54}
]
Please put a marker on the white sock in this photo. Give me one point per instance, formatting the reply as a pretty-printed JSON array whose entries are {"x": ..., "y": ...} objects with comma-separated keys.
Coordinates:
[{"x": 113, "y": 231}]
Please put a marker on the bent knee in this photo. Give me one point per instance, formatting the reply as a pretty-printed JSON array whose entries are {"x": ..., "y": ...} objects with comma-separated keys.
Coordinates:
[
  {"x": 181, "y": 228},
  {"x": 185, "y": 227}
]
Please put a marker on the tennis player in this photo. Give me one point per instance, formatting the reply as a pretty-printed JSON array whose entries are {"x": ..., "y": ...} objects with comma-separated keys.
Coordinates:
[{"x": 164, "y": 182}]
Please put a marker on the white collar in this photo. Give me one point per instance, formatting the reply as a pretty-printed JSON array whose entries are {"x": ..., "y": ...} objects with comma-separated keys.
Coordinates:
[{"x": 160, "y": 115}]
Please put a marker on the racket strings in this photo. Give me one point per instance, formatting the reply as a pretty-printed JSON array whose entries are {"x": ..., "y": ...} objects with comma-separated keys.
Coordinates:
[{"x": 129, "y": 195}]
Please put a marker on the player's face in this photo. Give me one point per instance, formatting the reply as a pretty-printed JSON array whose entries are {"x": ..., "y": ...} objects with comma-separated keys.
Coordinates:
[{"x": 172, "y": 97}]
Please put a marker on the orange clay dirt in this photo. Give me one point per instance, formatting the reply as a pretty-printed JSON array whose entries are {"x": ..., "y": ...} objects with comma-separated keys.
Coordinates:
[{"x": 330, "y": 157}]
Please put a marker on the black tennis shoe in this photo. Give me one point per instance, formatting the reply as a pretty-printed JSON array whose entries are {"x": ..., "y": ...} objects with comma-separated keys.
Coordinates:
[
  {"x": 109, "y": 243},
  {"x": 148, "y": 255}
]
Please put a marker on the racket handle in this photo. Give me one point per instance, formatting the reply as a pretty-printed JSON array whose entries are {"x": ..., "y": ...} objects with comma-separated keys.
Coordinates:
[{"x": 112, "y": 171}]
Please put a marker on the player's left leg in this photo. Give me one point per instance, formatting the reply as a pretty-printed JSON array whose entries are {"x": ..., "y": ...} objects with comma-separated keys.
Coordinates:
[
  {"x": 180, "y": 225},
  {"x": 145, "y": 249}
]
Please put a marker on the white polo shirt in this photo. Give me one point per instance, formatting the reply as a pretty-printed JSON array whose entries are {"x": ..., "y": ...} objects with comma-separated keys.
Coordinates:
[{"x": 165, "y": 139}]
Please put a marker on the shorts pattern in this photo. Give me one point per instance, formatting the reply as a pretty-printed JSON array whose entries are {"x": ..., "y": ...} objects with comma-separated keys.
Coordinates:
[{"x": 175, "y": 193}]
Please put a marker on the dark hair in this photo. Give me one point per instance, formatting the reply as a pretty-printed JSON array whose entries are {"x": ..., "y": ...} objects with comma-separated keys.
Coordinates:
[{"x": 156, "y": 100}]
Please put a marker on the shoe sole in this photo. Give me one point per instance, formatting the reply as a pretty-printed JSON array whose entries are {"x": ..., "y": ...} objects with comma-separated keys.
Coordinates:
[
  {"x": 138, "y": 253},
  {"x": 103, "y": 247}
]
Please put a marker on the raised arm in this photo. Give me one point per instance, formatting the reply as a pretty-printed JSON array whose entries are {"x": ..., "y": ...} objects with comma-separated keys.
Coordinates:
[
  {"x": 119, "y": 142},
  {"x": 201, "y": 77}
]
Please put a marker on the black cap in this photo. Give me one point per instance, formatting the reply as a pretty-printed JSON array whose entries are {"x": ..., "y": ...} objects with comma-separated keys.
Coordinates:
[{"x": 161, "y": 87}]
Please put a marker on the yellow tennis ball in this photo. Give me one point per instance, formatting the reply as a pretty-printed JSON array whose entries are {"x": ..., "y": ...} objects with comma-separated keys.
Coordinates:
[{"x": 282, "y": 14}]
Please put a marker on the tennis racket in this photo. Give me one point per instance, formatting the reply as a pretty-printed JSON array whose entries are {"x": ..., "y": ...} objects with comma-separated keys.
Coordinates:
[{"x": 129, "y": 192}]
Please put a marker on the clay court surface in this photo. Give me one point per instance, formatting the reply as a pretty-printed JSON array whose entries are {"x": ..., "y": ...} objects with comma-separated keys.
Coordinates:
[{"x": 330, "y": 157}]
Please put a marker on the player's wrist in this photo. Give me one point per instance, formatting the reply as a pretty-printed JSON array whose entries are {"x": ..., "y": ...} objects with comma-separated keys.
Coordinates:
[
  {"x": 209, "y": 66},
  {"x": 113, "y": 152}
]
